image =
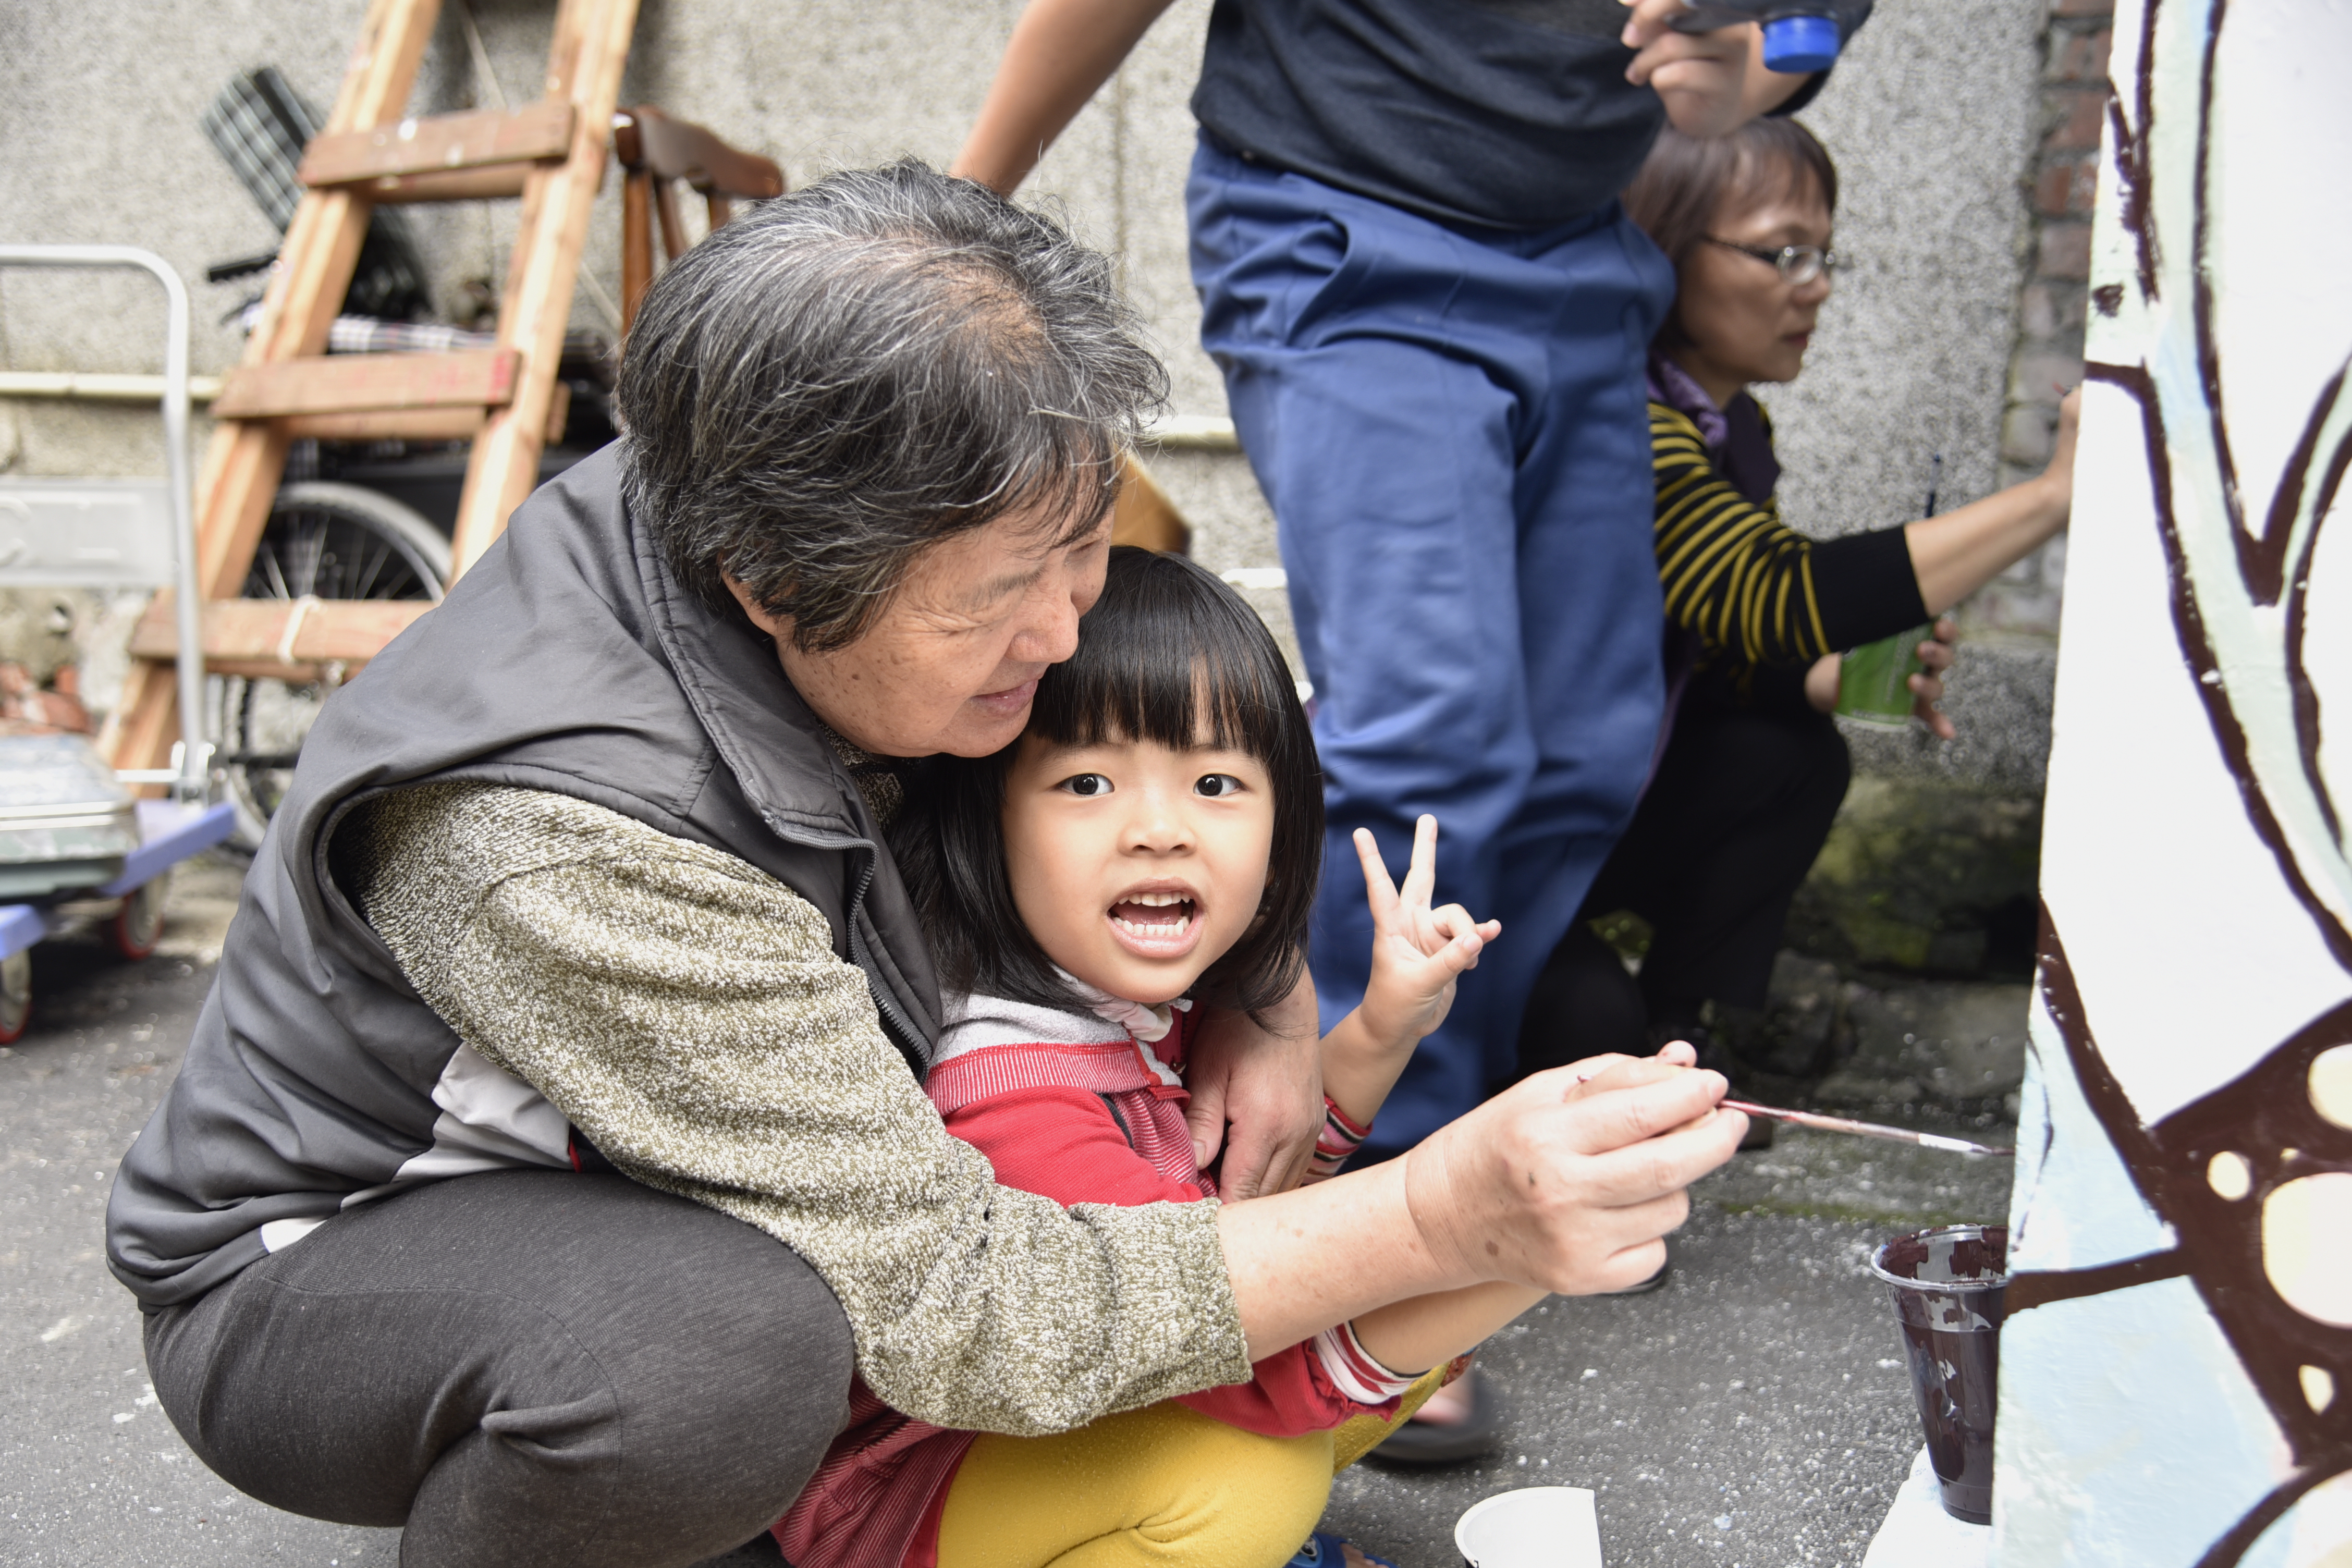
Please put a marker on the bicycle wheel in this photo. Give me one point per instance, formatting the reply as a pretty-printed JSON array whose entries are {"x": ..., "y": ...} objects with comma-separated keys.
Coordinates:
[{"x": 333, "y": 541}]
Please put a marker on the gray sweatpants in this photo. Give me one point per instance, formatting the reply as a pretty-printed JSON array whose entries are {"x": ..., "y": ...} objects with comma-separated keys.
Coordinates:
[{"x": 522, "y": 1367}]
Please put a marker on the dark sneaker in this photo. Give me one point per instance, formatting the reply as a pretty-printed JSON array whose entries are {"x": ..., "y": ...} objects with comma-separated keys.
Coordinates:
[
  {"x": 1419, "y": 1442},
  {"x": 1325, "y": 1551}
]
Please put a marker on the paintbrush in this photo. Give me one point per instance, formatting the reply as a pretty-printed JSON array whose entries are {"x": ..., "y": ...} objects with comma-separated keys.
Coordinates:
[{"x": 1865, "y": 1129}]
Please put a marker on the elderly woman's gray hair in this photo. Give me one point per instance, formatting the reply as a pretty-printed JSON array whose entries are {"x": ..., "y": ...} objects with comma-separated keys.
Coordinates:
[{"x": 845, "y": 375}]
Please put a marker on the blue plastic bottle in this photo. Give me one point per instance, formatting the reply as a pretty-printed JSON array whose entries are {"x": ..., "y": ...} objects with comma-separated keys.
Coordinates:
[{"x": 1799, "y": 36}]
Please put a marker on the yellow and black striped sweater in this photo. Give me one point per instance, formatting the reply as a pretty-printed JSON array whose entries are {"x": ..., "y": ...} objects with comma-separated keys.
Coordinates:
[{"x": 1754, "y": 591}]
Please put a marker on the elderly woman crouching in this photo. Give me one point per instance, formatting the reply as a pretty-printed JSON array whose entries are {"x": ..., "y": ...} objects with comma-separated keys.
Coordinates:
[{"x": 552, "y": 1147}]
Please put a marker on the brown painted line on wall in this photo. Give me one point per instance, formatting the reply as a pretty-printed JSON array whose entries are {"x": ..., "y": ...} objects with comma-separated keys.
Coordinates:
[
  {"x": 2040, "y": 1287},
  {"x": 2241, "y": 1537},
  {"x": 2189, "y": 629}
]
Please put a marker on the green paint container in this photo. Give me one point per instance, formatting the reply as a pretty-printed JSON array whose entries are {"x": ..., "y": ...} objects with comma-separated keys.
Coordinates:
[{"x": 1874, "y": 679}]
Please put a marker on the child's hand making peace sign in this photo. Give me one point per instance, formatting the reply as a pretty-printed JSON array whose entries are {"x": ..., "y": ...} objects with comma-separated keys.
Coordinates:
[{"x": 1417, "y": 953}]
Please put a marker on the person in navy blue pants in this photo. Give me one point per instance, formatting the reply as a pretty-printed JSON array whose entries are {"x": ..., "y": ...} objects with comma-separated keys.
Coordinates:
[
  {"x": 1458, "y": 466},
  {"x": 1431, "y": 316}
]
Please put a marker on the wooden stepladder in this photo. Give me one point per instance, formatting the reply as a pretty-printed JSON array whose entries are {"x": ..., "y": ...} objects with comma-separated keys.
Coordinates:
[{"x": 551, "y": 153}]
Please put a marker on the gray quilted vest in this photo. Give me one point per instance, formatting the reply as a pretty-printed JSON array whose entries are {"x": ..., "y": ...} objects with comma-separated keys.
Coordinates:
[{"x": 568, "y": 659}]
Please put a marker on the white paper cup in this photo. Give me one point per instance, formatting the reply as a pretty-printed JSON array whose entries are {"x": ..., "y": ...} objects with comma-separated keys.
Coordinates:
[{"x": 1536, "y": 1527}]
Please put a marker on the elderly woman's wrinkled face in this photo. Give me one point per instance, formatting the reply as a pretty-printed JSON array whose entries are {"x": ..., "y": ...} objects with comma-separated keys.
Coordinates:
[
  {"x": 952, "y": 662},
  {"x": 1744, "y": 321}
]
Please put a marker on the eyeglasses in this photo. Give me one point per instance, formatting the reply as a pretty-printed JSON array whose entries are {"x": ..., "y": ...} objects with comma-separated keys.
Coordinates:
[{"x": 1797, "y": 264}]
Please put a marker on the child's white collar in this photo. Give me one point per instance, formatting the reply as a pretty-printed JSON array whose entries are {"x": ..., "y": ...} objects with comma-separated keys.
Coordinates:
[{"x": 1148, "y": 1024}]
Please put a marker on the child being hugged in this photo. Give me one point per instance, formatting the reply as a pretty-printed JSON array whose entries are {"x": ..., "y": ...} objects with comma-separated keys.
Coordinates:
[{"x": 1153, "y": 838}]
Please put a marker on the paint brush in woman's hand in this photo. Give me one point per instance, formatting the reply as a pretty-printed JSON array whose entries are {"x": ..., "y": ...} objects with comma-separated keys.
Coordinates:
[{"x": 1865, "y": 1129}]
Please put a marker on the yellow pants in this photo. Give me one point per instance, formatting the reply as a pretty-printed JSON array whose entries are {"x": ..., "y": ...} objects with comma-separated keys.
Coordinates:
[{"x": 1165, "y": 1486}]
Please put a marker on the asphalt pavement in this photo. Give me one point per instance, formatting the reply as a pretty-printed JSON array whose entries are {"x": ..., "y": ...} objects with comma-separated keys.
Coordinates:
[{"x": 1752, "y": 1413}]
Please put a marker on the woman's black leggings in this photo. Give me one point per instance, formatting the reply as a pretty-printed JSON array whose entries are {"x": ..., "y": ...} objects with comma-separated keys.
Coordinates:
[{"x": 1729, "y": 825}]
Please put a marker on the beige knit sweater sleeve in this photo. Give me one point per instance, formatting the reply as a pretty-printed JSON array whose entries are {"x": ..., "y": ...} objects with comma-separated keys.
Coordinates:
[{"x": 685, "y": 1010}]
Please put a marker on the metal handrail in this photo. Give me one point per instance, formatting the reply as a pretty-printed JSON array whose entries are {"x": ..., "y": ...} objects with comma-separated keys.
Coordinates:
[{"x": 194, "y": 760}]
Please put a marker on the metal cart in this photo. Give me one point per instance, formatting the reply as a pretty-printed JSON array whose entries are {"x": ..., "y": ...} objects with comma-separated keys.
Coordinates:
[{"x": 69, "y": 826}]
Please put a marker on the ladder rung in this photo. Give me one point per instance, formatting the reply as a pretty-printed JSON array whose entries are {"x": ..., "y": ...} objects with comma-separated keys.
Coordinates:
[
  {"x": 345, "y": 383},
  {"x": 439, "y": 143},
  {"x": 488, "y": 182},
  {"x": 460, "y": 424},
  {"x": 391, "y": 425},
  {"x": 287, "y": 639}
]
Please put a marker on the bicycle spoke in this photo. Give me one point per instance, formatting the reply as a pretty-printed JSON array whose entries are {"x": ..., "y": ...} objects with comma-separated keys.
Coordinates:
[
  {"x": 275, "y": 583},
  {"x": 319, "y": 541},
  {"x": 361, "y": 584},
  {"x": 310, "y": 549}
]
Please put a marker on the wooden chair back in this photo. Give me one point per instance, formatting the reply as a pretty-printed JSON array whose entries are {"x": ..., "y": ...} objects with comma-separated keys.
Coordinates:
[{"x": 656, "y": 152}]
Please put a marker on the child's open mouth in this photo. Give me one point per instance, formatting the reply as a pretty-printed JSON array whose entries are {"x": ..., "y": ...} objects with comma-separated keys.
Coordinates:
[{"x": 1157, "y": 924}]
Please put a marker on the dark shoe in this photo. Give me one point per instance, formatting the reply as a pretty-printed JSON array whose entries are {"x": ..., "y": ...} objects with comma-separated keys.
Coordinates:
[
  {"x": 1716, "y": 1055},
  {"x": 1653, "y": 1282},
  {"x": 1713, "y": 1054},
  {"x": 761, "y": 1548},
  {"x": 1733, "y": 1041},
  {"x": 1418, "y": 1442},
  {"x": 1326, "y": 1551}
]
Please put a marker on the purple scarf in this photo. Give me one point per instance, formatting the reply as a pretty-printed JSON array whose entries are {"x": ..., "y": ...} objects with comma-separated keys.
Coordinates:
[
  {"x": 1735, "y": 435},
  {"x": 1670, "y": 385}
]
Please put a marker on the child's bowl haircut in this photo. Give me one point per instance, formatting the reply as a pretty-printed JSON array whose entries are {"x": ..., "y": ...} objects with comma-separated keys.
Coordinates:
[{"x": 1169, "y": 654}]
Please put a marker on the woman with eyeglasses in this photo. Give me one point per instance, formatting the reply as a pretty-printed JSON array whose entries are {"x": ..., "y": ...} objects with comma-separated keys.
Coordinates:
[{"x": 1751, "y": 770}]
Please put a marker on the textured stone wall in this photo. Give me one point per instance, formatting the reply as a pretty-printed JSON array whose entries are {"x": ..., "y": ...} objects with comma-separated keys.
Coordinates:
[{"x": 1923, "y": 899}]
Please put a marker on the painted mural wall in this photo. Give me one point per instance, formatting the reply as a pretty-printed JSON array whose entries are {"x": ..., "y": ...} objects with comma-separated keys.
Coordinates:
[{"x": 2176, "y": 1365}]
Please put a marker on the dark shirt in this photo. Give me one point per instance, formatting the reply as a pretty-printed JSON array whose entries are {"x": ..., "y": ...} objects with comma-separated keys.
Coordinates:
[{"x": 1497, "y": 114}]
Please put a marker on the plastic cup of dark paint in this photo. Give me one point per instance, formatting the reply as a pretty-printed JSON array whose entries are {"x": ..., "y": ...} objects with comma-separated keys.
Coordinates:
[
  {"x": 1947, "y": 1285},
  {"x": 1874, "y": 679}
]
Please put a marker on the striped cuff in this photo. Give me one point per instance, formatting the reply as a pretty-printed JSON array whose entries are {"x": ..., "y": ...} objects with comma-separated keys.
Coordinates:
[
  {"x": 1340, "y": 1138},
  {"x": 1354, "y": 1372}
]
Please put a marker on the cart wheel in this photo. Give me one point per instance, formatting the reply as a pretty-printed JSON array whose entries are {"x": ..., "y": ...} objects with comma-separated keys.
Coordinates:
[
  {"x": 337, "y": 541},
  {"x": 138, "y": 925},
  {"x": 15, "y": 996}
]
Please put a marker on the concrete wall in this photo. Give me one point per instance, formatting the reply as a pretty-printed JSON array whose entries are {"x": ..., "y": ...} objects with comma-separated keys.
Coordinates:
[{"x": 1931, "y": 119}]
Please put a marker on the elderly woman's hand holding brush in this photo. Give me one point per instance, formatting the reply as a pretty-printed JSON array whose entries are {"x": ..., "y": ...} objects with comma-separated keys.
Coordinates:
[
  {"x": 1600, "y": 1154},
  {"x": 1567, "y": 1183},
  {"x": 1560, "y": 1185},
  {"x": 1586, "y": 1073}
]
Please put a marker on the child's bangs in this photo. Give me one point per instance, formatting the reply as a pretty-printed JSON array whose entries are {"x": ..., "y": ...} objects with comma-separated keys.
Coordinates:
[{"x": 1169, "y": 655}]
